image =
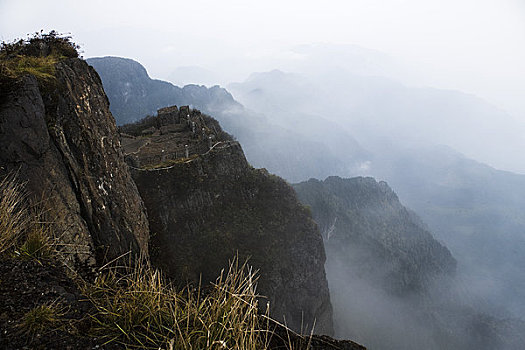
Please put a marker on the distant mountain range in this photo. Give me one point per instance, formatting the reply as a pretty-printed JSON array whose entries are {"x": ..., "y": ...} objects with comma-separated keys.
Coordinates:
[
  {"x": 392, "y": 284},
  {"x": 303, "y": 128},
  {"x": 411, "y": 134},
  {"x": 285, "y": 151}
]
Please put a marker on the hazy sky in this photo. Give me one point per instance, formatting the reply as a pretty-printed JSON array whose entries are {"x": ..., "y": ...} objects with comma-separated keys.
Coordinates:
[{"x": 477, "y": 46}]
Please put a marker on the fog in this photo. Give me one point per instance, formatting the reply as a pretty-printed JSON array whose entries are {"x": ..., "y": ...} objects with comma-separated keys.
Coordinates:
[
  {"x": 471, "y": 45},
  {"x": 427, "y": 95}
]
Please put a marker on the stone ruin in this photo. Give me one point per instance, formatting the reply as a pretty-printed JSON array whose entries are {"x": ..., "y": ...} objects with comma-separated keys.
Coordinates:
[{"x": 169, "y": 115}]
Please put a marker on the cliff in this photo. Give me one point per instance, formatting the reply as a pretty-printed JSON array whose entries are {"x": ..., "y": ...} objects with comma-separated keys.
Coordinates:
[
  {"x": 58, "y": 135},
  {"x": 206, "y": 203},
  {"x": 391, "y": 283},
  {"x": 363, "y": 223}
]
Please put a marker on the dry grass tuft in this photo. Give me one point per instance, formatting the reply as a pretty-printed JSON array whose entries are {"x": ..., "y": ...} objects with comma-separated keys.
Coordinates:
[
  {"x": 13, "y": 213},
  {"x": 40, "y": 319},
  {"x": 38, "y": 244},
  {"x": 140, "y": 309},
  {"x": 23, "y": 232}
]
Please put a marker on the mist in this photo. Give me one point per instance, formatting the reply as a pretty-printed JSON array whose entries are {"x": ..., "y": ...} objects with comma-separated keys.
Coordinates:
[
  {"x": 392, "y": 284},
  {"x": 474, "y": 46},
  {"x": 427, "y": 96}
]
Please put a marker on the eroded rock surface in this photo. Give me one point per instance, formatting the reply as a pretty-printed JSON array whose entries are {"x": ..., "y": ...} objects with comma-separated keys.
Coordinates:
[
  {"x": 210, "y": 204},
  {"x": 61, "y": 139}
]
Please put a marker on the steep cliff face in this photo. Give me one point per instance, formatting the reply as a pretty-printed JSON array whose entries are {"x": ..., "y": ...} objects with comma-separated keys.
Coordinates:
[
  {"x": 60, "y": 137},
  {"x": 363, "y": 223},
  {"x": 207, "y": 205},
  {"x": 384, "y": 269},
  {"x": 392, "y": 284}
]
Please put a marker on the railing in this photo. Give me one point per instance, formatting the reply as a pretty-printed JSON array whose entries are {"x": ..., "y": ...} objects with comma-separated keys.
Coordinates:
[{"x": 183, "y": 152}]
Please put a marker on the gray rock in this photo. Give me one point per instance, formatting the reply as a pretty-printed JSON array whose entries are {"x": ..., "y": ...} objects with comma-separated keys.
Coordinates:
[{"x": 62, "y": 140}]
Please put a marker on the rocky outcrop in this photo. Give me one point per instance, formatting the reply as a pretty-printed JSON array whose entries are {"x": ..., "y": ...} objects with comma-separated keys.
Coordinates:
[
  {"x": 60, "y": 137},
  {"x": 209, "y": 204},
  {"x": 364, "y": 224},
  {"x": 388, "y": 277}
]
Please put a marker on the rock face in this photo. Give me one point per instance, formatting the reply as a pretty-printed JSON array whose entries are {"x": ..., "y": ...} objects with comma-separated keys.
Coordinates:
[
  {"x": 383, "y": 267},
  {"x": 363, "y": 222},
  {"x": 210, "y": 204},
  {"x": 62, "y": 139}
]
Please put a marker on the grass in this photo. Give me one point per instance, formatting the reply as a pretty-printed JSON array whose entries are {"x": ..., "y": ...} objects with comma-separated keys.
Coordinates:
[
  {"x": 22, "y": 231},
  {"x": 136, "y": 307},
  {"x": 43, "y": 68},
  {"x": 38, "y": 244},
  {"x": 13, "y": 214},
  {"x": 141, "y": 310},
  {"x": 40, "y": 319}
]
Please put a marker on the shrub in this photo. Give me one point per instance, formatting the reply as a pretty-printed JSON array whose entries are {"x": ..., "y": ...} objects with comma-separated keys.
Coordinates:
[
  {"x": 36, "y": 55},
  {"x": 41, "y": 45}
]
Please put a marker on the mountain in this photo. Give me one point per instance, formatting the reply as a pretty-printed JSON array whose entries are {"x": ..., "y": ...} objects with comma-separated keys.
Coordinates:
[
  {"x": 476, "y": 210},
  {"x": 205, "y": 204},
  {"x": 280, "y": 148},
  {"x": 413, "y": 136},
  {"x": 378, "y": 112},
  {"x": 307, "y": 126},
  {"x": 392, "y": 284},
  {"x": 134, "y": 95},
  {"x": 97, "y": 188}
]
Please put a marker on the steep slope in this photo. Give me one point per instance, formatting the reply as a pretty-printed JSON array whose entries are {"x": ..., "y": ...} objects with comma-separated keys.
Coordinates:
[
  {"x": 59, "y": 136},
  {"x": 392, "y": 284},
  {"x": 283, "y": 148},
  {"x": 206, "y": 203},
  {"x": 363, "y": 223}
]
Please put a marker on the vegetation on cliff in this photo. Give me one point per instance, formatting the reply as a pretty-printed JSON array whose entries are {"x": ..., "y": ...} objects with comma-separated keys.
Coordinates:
[
  {"x": 136, "y": 307},
  {"x": 83, "y": 211},
  {"x": 36, "y": 55},
  {"x": 47, "y": 305},
  {"x": 22, "y": 231}
]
